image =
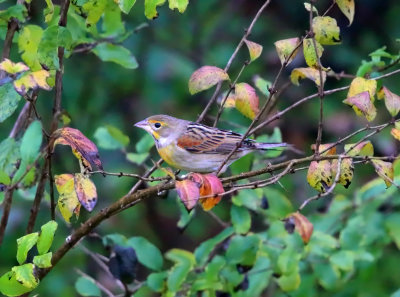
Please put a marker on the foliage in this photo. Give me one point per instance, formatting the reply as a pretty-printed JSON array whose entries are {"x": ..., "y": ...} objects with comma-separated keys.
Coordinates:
[{"x": 107, "y": 63}]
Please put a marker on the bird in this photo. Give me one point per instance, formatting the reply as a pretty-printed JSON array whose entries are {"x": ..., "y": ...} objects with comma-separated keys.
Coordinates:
[{"x": 195, "y": 147}]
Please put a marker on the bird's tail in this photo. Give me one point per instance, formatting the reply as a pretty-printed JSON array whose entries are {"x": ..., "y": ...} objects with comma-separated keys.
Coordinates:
[{"x": 271, "y": 146}]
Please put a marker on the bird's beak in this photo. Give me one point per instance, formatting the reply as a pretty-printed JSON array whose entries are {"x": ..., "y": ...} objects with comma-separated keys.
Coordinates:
[{"x": 142, "y": 124}]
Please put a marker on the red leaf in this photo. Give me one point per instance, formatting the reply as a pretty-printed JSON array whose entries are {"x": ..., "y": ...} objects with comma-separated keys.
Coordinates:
[
  {"x": 209, "y": 185},
  {"x": 188, "y": 192}
]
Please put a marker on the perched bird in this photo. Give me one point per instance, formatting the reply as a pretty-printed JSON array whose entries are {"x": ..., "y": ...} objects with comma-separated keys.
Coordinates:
[{"x": 195, "y": 147}]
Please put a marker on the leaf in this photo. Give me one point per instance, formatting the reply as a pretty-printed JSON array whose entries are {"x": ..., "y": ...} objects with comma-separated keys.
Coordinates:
[
  {"x": 31, "y": 142},
  {"x": 43, "y": 261},
  {"x": 243, "y": 249},
  {"x": 346, "y": 171},
  {"x": 289, "y": 282},
  {"x": 287, "y": 49},
  {"x": 24, "y": 274},
  {"x": 319, "y": 175},
  {"x": 262, "y": 85},
  {"x": 46, "y": 237},
  {"x": 25, "y": 243},
  {"x": 308, "y": 6},
  {"x": 392, "y": 101},
  {"x": 94, "y": 9},
  {"x": 32, "y": 81},
  {"x": 138, "y": 159},
  {"x": 384, "y": 170},
  {"x": 28, "y": 43},
  {"x": 68, "y": 202},
  {"x": 144, "y": 144},
  {"x": 9, "y": 101},
  {"x": 395, "y": 133},
  {"x": 360, "y": 84},
  {"x": 255, "y": 49},
  {"x": 323, "y": 147},
  {"x": 9, "y": 285},
  {"x": 4, "y": 179},
  {"x": 362, "y": 105},
  {"x": 86, "y": 191},
  {"x": 110, "y": 137},
  {"x": 148, "y": 254},
  {"x": 246, "y": 100},
  {"x": 206, "y": 77},
  {"x": 310, "y": 73},
  {"x": 126, "y": 5},
  {"x": 150, "y": 8},
  {"x": 118, "y": 54},
  {"x": 53, "y": 37},
  {"x": 17, "y": 11},
  {"x": 209, "y": 184},
  {"x": 188, "y": 192},
  {"x": 9, "y": 154},
  {"x": 343, "y": 259},
  {"x": 156, "y": 281},
  {"x": 13, "y": 68},
  {"x": 392, "y": 225},
  {"x": 303, "y": 226},
  {"x": 347, "y": 7},
  {"x": 184, "y": 261},
  {"x": 84, "y": 149},
  {"x": 241, "y": 219},
  {"x": 326, "y": 30},
  {"x": 363, "y": 148},
  {"x": 87, "y": 287},
  {"x": 178, "y": 4},
  {"x": 310, "y": 52},
  {"x": 49, "y": 11}
]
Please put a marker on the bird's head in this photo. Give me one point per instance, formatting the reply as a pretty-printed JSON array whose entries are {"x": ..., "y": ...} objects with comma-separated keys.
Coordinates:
[{"x": 162, "y": 127}]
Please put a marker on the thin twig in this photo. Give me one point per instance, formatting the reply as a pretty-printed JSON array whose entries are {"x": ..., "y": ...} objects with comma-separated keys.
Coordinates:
[{"x": 98, "y": 284}]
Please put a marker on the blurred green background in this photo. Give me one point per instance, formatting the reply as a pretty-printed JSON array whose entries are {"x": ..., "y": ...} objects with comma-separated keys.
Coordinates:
[{"x": 168, "y": 50}]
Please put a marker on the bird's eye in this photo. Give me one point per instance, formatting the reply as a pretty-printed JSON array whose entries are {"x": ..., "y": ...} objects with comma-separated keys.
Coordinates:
[{"x": 157, "y": 125}]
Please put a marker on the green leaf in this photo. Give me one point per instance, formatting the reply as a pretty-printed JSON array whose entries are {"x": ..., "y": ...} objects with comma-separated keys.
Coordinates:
[
  {"x": 53, "y": 37},
  {"x": 178, "y": 4},
  {"x": 110, "y": 138},
  {"x": 48, "y": 11},
  {"x": 87, "y": 287},
  {"x": 262, "y": 85},
  {"x": 156, "y": 281},
  {"x": 43, "y": 261},
  {"x": 343, "y": 260},
  {"x": 392, "y": 224},
  {"x": 31, "y": 142},
  {"x": 116, "y": 53},
  {"x": 94, "y": 10},
  {"x": 126, "y": 5},
  {"x": 184, "y": 262},
  {"x": 243, "y": 249},
  {"x": 25, "y": 243},
  {"x": 184, "y": 216},
  {"x": 144, "y": 144},
  {"x": 289, "y": 282},
  {"x": 111, "y": 239},
  {"x": 17, "y": 11},
  {"x": 9, "y": 285},
  {"x": 203, "y": 251},
  {"x": 24, "y": 274},
  {"x": 9, "y": 101},
  {"x": 4, "y": 178},
  {"x": 137, "y": 158},
  {"x": 328, "y": 277},
  {"x": 46, "y": 237},
  {"x": 279, "y": 205},
  {"x": 150, "y": 8},
  {"x": 310, "y": 52},
  {"x": 241, "y": 219},
  {"x": 9, "y": 154},
  {"x": 288, "y": 261},
  {"x": 326, "y": 30},
  {"x": 148, "y": 254}
]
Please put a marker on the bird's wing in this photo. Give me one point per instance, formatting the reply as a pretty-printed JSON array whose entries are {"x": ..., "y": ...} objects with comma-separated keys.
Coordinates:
[{"x": 202, "y": 139}]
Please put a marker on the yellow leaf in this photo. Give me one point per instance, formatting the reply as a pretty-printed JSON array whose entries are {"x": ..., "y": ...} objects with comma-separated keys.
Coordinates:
[
  {"x": 68, "y": 202},
  {"x": 246, "y": 100},
  {"x": 206, "y": 77},
  {"x": 392, "y": 101},
  {"x": 310, "y": 52},
  {"x": 364, "y": 148},
  {"x": 347, "y": 7},
  {"x": 384, "y": 170},
  {"x": 360, "y": 84},
  {"x": 13, "y": 68},
  {"x": 254, "y": 49},
  {"x": 287, "y": 49},
  {"x": 346, "y": 171},
  {"x": 32, "y": 81},
  {"x": 310, "y": 73},
  {"x": 319, "y": 175},
  {"x": 362, "y": 105},
  {"x": 395, "y": 133},
  {"x": 85, "y": 191},
  {"x": 326, "y": 30}
]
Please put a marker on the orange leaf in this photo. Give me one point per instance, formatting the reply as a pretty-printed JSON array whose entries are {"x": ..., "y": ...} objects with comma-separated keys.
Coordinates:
[
  {"x": 323, "y": 147},
  {"x": 395, "y": 133},
  {"x": 206, "y": 77},
  {"x": 303, "y": 226},
  {"x": 85, "y": 191},
  {"x": 84, "y": 149},
  {"x": 246, "y": 100},
  {"x": 215, "y": 189},
  {"x": 188, "y": 192}
]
